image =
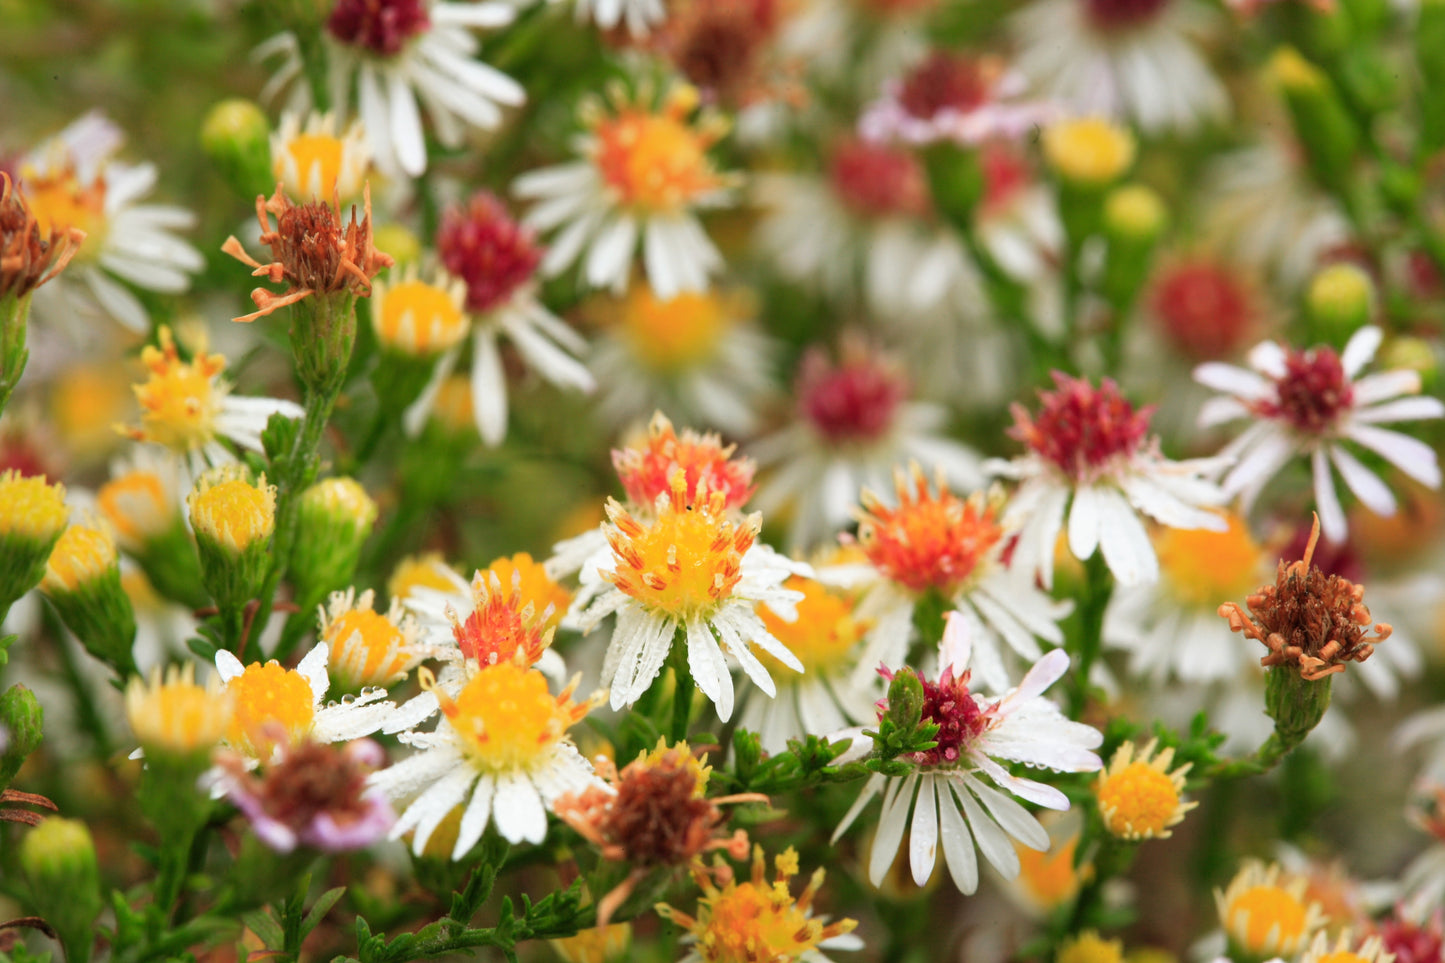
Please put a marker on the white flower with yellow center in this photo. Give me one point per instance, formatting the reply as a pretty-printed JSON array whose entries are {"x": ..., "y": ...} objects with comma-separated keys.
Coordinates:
[
  {"x": 312, "y": 161},
  {"x": 142, "y": 497},
  {"x": 419, "y": 318},
  {"x": 687, "y": 571},
  {"x": 501, "y": 748},
  {"x": 1265, "y": 911},
  {"x": 1139, "y": 796},
  {"x": 275, "y": 706},
  {"x": 640, "y": 16},
  {"x": 369, "y": 648},
  {"x": 188, "y": 408},
  {"x": 644, "y": 173},
  {"x": 71, "y": 181}
]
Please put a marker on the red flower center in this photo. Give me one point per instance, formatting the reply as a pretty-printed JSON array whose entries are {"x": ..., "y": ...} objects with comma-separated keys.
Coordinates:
[
  {"x": 1205, "y": 309},
  {"x": 945, "y": 81},
  {"x": 1122, "y": 14},
  {"x": 877, "y": 181},
  {"x": 492, "y": 253},
  {"x": 1312, "y": 393},
  {"x": 1082, "y": 429},
  {"x": 852, "y": 402},
  {"x": 381, "y": 26},
  {"x": 961, "y": 720}
]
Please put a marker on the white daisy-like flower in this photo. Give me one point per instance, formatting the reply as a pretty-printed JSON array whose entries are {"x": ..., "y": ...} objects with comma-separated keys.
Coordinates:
[
  {"x": 275, "y": 705},
  {"x": 496, "y": 259},
  {"x": 1091, "y": 459},
  {"x": 369, "y": 648},
  {"x": 392, "y": 58},
  {"x": 313, "y": 161},
  {"x": 640, "y": 16},
  {"x": 941, "y": 545},
  {"x": 1126, "y": 59},
  {"x": 1310, "y": 402},
  {"x": 500, "y": 751},
  {"x": 953, "y": 805},
  {"x": 858, "y": 43},
  {"x": 868, "y": 217},
  {"x": 855, "y": 425},
  {"x": 188, "y": 409},
  {"x": 689, "y": 571},
  {"x": 644, "y": 173},
  {"x": 72, "y": 181}
]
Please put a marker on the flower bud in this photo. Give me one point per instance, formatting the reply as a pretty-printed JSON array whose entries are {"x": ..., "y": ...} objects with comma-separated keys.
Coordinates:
[
  {"x": 398, "y": 241},
  {"x": 82, "y": 581},
  {"x": 1340, "y": 301},
  {"x": 233, "y": 520},
  {"x": 1414, "y": 354},
  {"x": 1134, "y": 218},
  {"x": 1089, "y": 153},
  {"x": 334, "y": 518},
  {"x": 599, "y": 944},
  {"x": 173, "y": 718},
  {"x": 419, "y": 319},
  {"x": 140, "y": 505},
  {"x": 237, "y": 138},
  {"x": 1321, "y": 122},
  {"x": 905, "y": 700},
  {"x": 21, "y": 719},
  {"x": 32, "y": 516},
  {"x": 58, "y": 860},
  {"x": 317, "y": 163}
]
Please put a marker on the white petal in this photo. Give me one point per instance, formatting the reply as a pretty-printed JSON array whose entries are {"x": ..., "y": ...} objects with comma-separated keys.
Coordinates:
[
  {"x": 489, "y": 388},
  {"x": 1327, "y": 500},
  {"x": 870, "y": 789},
  {"x": 958, "y": 846},
  {"x": 1360, "y": 350},
  {"x": 1402, "y": 409},
  {"x": 1366, "y": 485},
  {"x": 313, "y": 669},
  {"x": 474, "y": 818},
  {"x": 1085, "y": 521},
  {"x": 228, "y": 666},
  {"x": 923, "y": 837},
  {"x": 891, "y": 824},
  {"x": 518, "y": 809},
  {"x": 992, "y": 841},
  {"x": 1124, "y": 541},
  {"x": 1410, "y": 455},
  {"x": 708, "y": 667}
]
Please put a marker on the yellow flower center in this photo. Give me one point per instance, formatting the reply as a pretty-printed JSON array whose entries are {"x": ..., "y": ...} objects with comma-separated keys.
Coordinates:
[
  {"x": 81, "y": 556},
  {"x": 59, "y": 201},
  {"x": 823, "y": 635},
  {"x": 87, "y": 402},
  {"x": 1203, "y": 569},
  {"x": 136, "y": 505},
  {"x": 369, "y": 645},
  {"x": 140, "y": 591},
  {"x": 179, "y": 399},
  {"x": 1260, "y": 910},
  {"x": 596, "y": 945},
  {"x": 1090, "y": 151},
  {"x": 312, "y": 155},
  {"x": 419, "y": 571},
  {"x": 1342, "y": 956},
  {"x": 1089, "y": 947},
  {"x": 686, "y": 563},
  {"x": 176, "y": 716},
  {"x": 29, "y": 508},
  {"x": 657, "y": 161},
  {"x": 676, "y": 334},
  {"x": 532, "y": 584},
  {"x": 270, "y": 703},
  {"x": 507, "y": 718},
  {"x": 234, "y": 512},
  {"x": 755, "y": 922},
  {"x": 418, "y": 318},
  {"x": 453, "y": 405},
  {"x": 1050, "y": 877},
  {"x": 1139, "y": 800}
]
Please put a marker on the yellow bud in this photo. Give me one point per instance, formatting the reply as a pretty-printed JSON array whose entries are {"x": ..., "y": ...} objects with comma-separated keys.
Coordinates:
[
  {"x": 1090, "y": 152},
  {"x": 1135, "y": 211},
  {"x": 231, "y": 511},
  {"x": 1294, "y": 73},
  {"x": 82, "y": 555}
]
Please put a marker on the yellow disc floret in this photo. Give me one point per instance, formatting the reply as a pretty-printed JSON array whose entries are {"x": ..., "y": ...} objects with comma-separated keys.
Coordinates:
[
  {"x": 1203, "y": 569},
  {"x": 1089, "y": 151},
  {"x": 823, "y": 634},
  {"x": 1344, "y": 950},
  {"x": 179, "y": 399},
  {"x": 506, "y": 717},
  {"x": 30, "y": 508},
  {"x": 176, "y": 716},
  {"x": 687, "y": 562},
  {"x": 82, "y": 555},
  {"x": 421, "y": 571},
  {"x": 1265, "y": 913},
  {"x": 676, "y": 334},
  {"x": 86, "y": 402},
  {"x": 420, "y": 318},
  {"x": 367, "y": 647},
  {"x": 231, "y": 511},
  {"x": 316, "y": 162},
  {"x": 1089, "y": 947},
  {"x": 271, "y": 704},
  {"x": 656, "y": 161},
  {"x": 1140, "y": 798}
]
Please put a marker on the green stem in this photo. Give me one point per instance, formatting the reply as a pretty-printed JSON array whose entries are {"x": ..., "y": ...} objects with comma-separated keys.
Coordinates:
[
  {"x": 1098, "y": 586},
  {"x": 682, "y": 690}
]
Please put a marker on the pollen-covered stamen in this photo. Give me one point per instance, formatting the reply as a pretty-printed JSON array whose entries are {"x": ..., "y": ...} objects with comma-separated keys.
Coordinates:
[
  {"x": 381, "y": 27},
  {"x": 822, "y": 636},
  {"x": 961, "y": 720},
  {"x": 854, "y": 402},
  {"x": 504, "y": 625},
  {"x": 1205, "y": 307},
  {"x": 947, "y": 81},
  {"x": 179, "y": 399},
  {"x": 687, "y": 561},
  {"x": 269, "y": 702},
  {"x": 507, "y": 719},
  {"x": 367, "y": 647},
  {"x": 1123, "y": 14},
  {"x": 484, "y": 246},
  {"x": 875, "y": 180},
  {"x": 29, "y": 254},
  {"x": 656, "y": 160},
  {"x": 1082, "y": 430},
  {"x": 708, "y": 467},
  {"x": 1312, "y": 393},
  {"x": 1265, "y": 912},
  {"x": 1139, "y": 797},
  {"x": 929, "y": 541}
]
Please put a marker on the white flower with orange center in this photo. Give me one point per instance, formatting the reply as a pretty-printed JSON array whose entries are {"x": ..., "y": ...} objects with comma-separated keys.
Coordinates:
[
  {"x": 314, "y": 162},
  {"x": 1312, "y": 402},
  {"x": 1346, "y": 949},
  {"x": 1125, "y": 59},
  {"x": 369, "y": 648},
  {"x": 1265, "y": 911},
  {"x": 1091, "y": 459},
  {"x": 187, "y": 408},
  {"x": 71, "y": 181},
  {"x": 501, "y": 748},
  {"x": 953, "y": 807},
  {"x": 395, "y": 58},
  {"x": 645, "y": 171},
  {"x": 1139, "y": 796},
  {"x": 276, "y": 706},
  {"x": 687, "y": 572},
  {"x": 943, "y": 545}
]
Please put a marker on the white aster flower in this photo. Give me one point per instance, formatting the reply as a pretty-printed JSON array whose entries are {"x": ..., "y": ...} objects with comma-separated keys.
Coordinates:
[
  {"x": 312, "y": 161},
  {"x": 644, "y": 173},
  {"x": 1311, "y": 402},
  {"x": 71, "y": 181},
  {"x": 640, "y": 16},
  {"x": 953, "y": 805},
  {"x": 1124, "y": 59},
  {"x": 1091, "y": 460}
]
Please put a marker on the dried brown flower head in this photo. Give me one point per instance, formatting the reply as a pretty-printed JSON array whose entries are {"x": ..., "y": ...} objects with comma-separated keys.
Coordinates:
[
  {"x": 1307, "y": 618},
  {"x": 311, "y": 251},
  {"x": 29, "y": 256}
]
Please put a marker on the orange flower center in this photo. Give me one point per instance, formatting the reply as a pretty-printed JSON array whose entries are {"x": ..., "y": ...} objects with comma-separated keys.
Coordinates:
[
  {"x": 507, "y": 718},
  {"x": 1202, "y": 568},
  {"x": 179, "y": 400},
  {"x": 59, "y": 201},
  {"x": 656, "y": 161},
  {"x": 677, "y": 334},
  {"x": 1139, "y": 799},
  {"x": 136, "y": 505},
  {"x": 269, "y": 702},
  {"x": 369, "y": 645},
  {"x": 1259, "y": 910},
  {"x": 928, "y": 541}
]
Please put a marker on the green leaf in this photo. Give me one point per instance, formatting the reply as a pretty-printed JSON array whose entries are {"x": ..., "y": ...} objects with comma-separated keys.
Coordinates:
[
  {"x": 320, "y": 908},
  {"x": 267, "y": 927}
]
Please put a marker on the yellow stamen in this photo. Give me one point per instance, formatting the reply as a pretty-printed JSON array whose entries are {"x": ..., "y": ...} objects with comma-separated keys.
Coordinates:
[
  {"x": 526, "y": 579},
  {"x": 315, "y": 162},
  {"x": 1091, "y": 151},
  {"x": 367, "y": 647},
  {"x": 1139, "y": 798},
  {"x": 175, "y": 715},
  {"x": 677, "y": 334},
  {"x": 419, "y": 318},
  {"x": 86, "y": 403},
  {"x": 656, "y": 160},
  {"x": 1089, "y": 947},
  {"x": 1050, "y": 878},
  {"x": 179, "y": 400},
  {"x": 60, "y": 202},
  {"x": 419, "y": 571},
  {"x": 233, "y": 512},
  {"x": 270, "y": 703},
  {"x": 1265, "y": 913}
]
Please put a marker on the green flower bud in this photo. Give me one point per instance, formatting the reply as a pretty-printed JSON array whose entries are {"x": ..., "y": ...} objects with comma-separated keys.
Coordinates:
[
  {"x": 1414, "y": 354},
  {"x": 234, "y": 520},
  {"x": 905, "y": 700},
  {"x": 1296, "y": 704},
  {"x": 32, "y": 516},
  {"x": 82, "y": 581},
  {"x": 334, "y": 519},
  {"x": 1134, "y": 219},
  {"x": 1340, "y": 301},
  {"x": 21, "y": 722},
  {"x": 58, "y": 859},
  {"x": 237, "y": 137}
]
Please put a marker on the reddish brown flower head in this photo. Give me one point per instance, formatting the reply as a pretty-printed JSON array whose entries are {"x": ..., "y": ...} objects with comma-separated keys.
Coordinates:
[
  {"x": 1414, "y": 941},
  {"x": 948, "y": 702},
  {"x": 1312, "y": 393},
  {"x": 28, "y": 256},
  {"x": 381, "y": 27},
  {"x": 722, "y": 46},
  {"x": 855, "y": 401},
  {"x": 707, "y": 465},
  {"x": 1206, "y": 308},
  {"x": 874, "y": 180},
  {"x": 1082, "y": 430},
  {"x": 311, "y": 251},
  {"x": 1122, "y": 14},
  {"x": 486, "y": 248},
  {"x": 947, "y": 81},
  {"x": 1315, "y": 621}
]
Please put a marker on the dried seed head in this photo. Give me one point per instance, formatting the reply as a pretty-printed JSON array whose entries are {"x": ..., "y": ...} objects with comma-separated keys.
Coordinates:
[{"x": 29, "y": 256}]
